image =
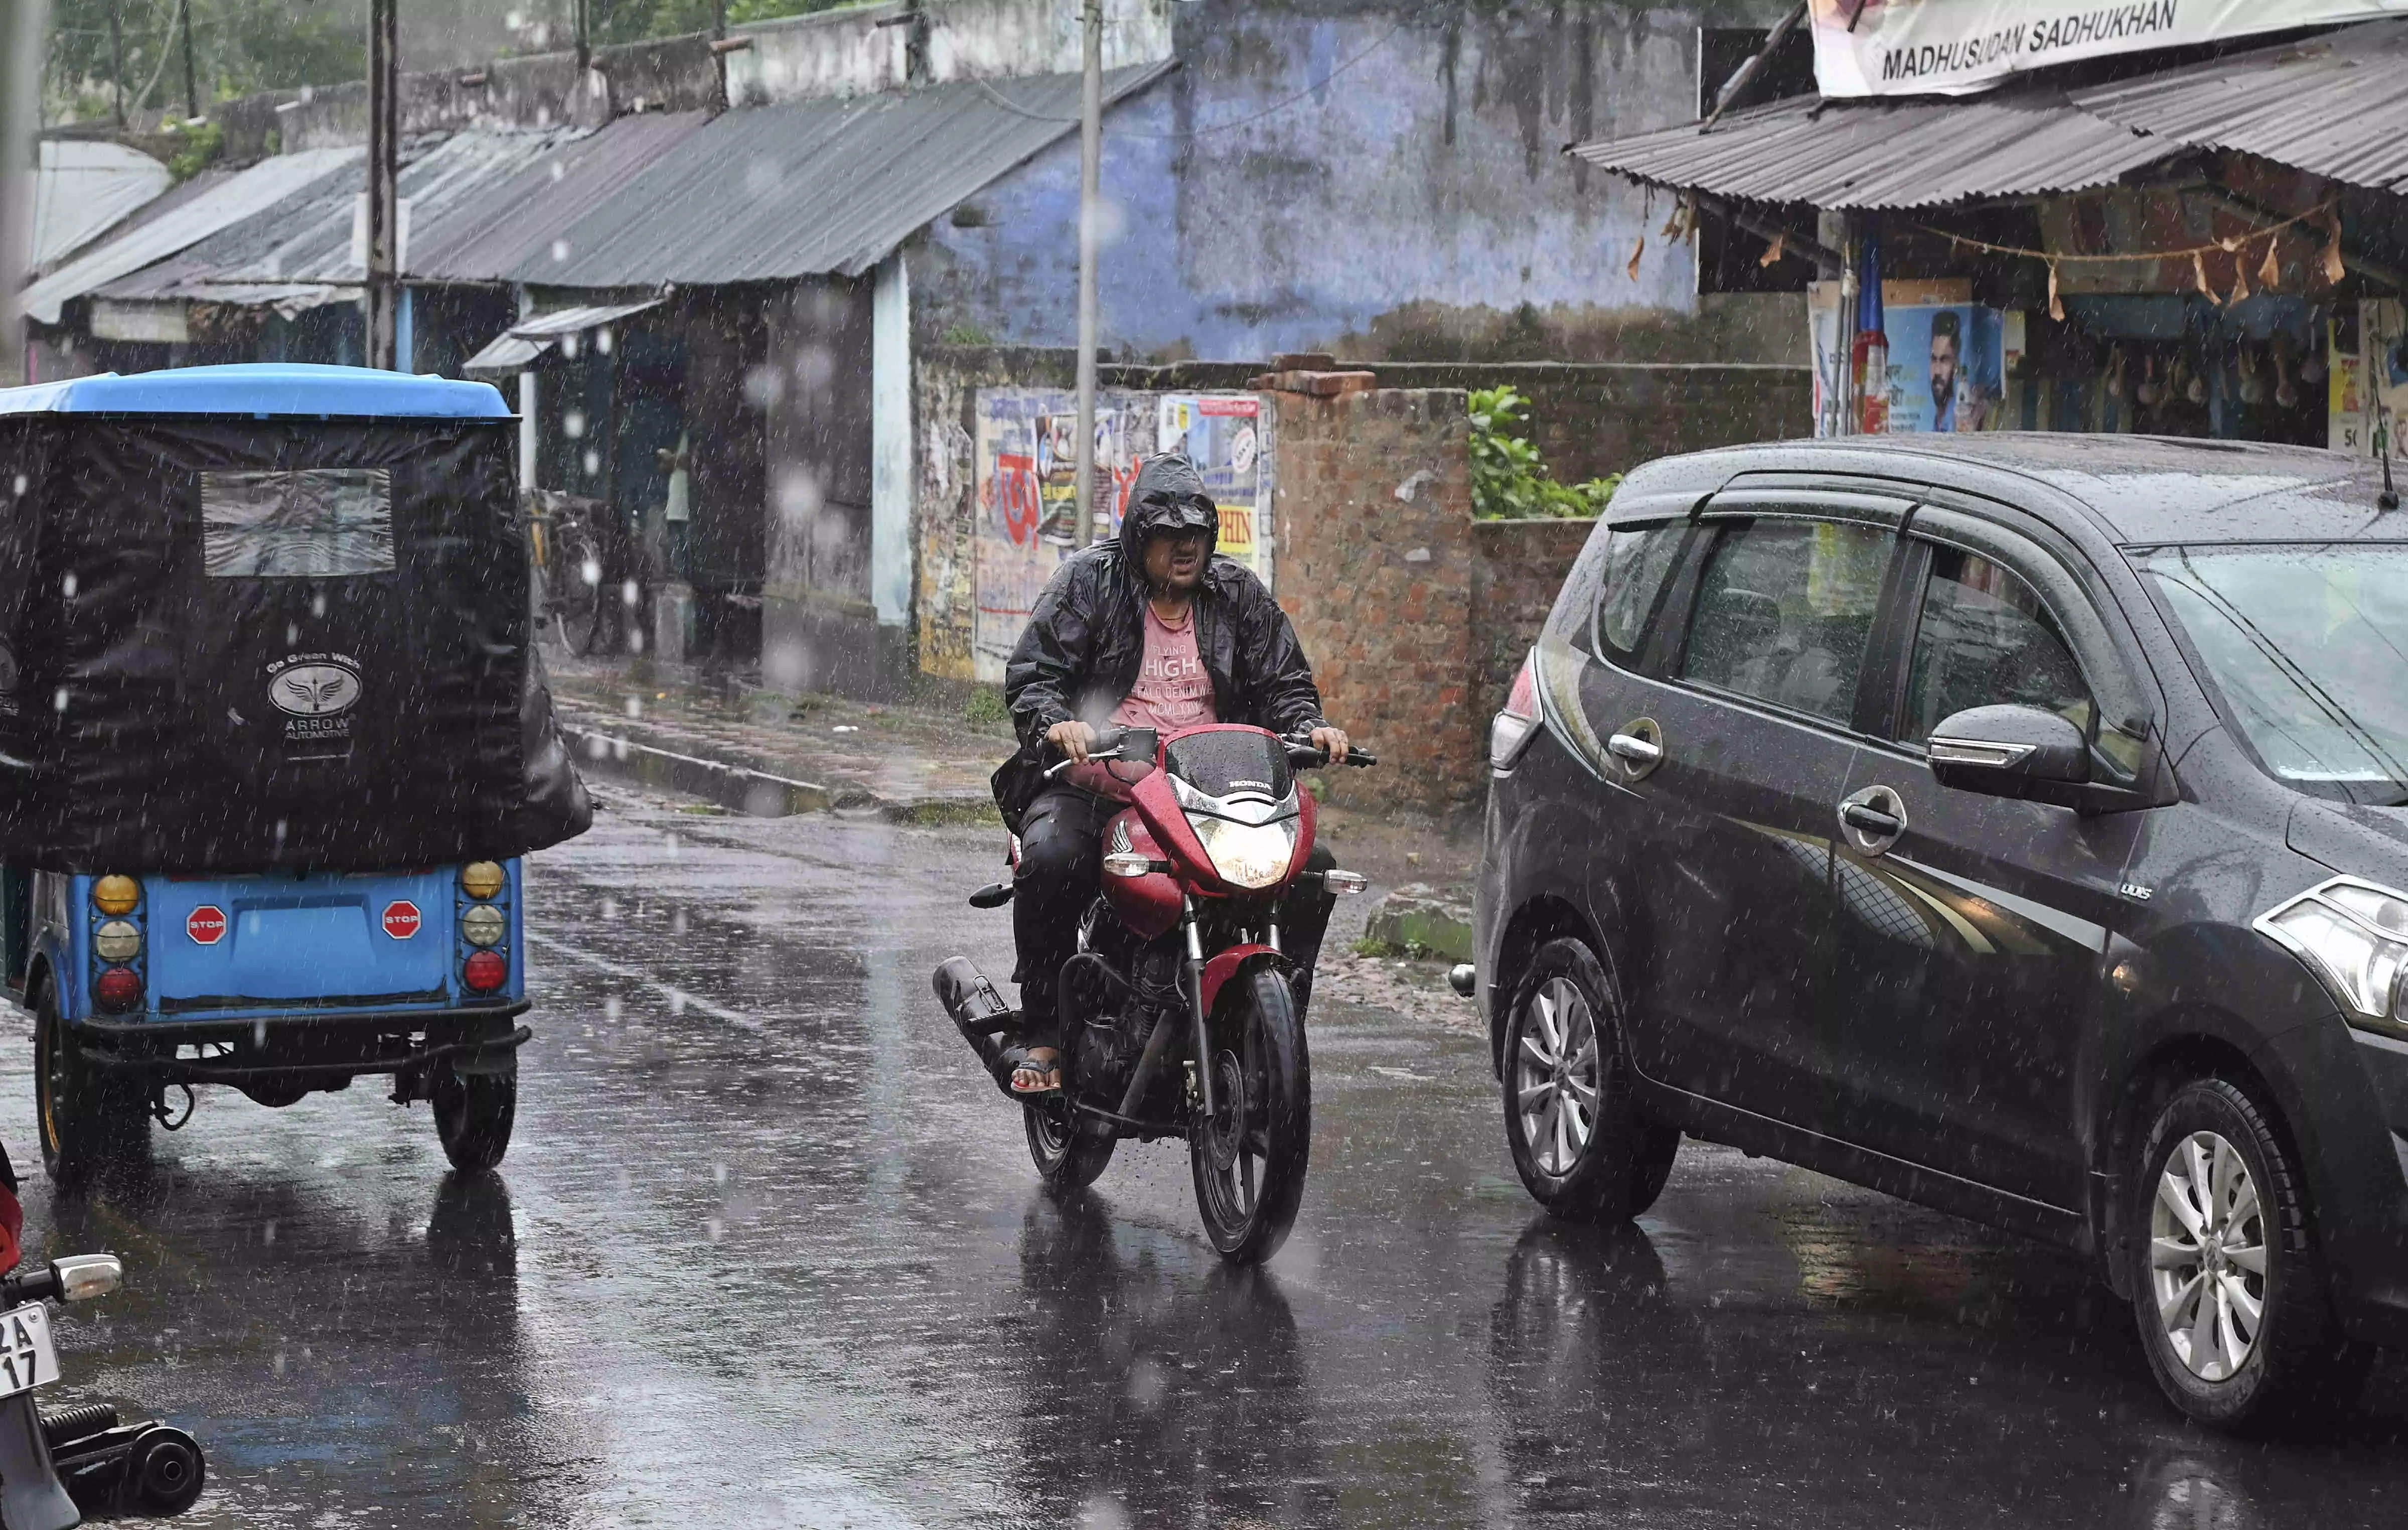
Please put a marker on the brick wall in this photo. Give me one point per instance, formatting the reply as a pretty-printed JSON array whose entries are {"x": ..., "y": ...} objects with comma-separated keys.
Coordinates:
[
  {"x": 1376, "y": 568},
  {"x": 1516, "y": 569}
]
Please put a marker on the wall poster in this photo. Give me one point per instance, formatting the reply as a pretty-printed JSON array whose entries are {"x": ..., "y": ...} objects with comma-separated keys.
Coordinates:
[{"x": 1026, "y": 469}]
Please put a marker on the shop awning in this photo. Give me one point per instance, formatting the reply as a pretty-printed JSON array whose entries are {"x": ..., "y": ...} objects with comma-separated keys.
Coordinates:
[
  {"x": 2027, "y": 142},
  {"x": 520, "y": 345},
  {"x": 2334, "y": 106},
  {"x": 815, "y": 188}
]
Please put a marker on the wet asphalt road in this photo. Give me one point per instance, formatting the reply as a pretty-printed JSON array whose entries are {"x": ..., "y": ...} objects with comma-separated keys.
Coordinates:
[{"x": 769, "y": 1251}]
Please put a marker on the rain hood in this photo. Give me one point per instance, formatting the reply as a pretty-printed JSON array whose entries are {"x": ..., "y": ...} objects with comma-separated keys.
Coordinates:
[{"x": 245, "y": 643}]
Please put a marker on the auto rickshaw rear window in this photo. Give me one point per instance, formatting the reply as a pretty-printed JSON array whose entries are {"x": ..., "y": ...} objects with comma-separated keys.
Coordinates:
[{"x": 309, "y": 522}]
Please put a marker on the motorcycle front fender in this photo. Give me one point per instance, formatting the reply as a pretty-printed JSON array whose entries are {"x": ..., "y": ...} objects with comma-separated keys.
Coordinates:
[{"x": 1229, "y": 963}]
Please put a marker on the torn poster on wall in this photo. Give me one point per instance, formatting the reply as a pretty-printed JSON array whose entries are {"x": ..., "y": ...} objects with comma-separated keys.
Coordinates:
[{"x": 1026, "y": 472}]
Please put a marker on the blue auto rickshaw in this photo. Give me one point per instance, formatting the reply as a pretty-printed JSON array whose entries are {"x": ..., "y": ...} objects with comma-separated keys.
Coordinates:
[{"x": 273, "y": 736}]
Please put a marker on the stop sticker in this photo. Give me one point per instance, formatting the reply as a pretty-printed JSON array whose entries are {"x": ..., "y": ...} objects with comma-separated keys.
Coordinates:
[
  {"x": 401, "y": 918},
  {"x": 206, "y": 924}
]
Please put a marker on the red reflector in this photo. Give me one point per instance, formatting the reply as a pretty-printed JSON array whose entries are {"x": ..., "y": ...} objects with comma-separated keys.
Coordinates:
[
  {"x": 485, "y": 971},
  {"x": 1524, "y": 702},
  {"x": 117, "y": 988}
]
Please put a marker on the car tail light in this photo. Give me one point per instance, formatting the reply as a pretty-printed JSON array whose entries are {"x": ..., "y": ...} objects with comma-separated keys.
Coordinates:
[
  {"x": 485, "y": 971},
  {"x": 115, "y": 894},
  {"x": 1512, "y": 730},
  {"x": 118, "y": 989}
]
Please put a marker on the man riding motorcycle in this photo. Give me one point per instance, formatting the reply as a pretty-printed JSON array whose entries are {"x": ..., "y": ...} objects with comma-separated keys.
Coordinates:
[{"x": 1153, "y": 631}]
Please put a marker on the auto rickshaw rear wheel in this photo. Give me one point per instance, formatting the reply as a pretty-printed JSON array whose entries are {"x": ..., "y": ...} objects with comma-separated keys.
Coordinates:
[
  {"x": 473, "y": 1113},
  {"x": 90, "y": 1118}
]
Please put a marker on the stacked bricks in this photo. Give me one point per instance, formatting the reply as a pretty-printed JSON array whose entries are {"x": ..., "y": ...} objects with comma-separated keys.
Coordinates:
[
  {"x": 1517, "y": 567},
  {"x": 1375, "y": 566}
]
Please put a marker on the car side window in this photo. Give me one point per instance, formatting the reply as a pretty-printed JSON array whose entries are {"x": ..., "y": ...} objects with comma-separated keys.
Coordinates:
[
  {"x": 1637, "y": 563},
  {"x": 1985, "y": 638},
  {"x": 1784, "y": 609}
]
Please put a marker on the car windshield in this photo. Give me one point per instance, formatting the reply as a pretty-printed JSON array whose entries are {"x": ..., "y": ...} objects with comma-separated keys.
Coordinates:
[{"x": 2308, "y": 645}]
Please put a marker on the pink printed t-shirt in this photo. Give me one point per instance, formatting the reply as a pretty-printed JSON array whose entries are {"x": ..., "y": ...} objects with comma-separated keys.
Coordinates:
[{"x": 1172, "y": 692}]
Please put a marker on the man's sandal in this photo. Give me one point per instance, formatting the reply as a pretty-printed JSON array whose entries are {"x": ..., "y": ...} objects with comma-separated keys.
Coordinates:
[{"x": 1021, "y": 1058}]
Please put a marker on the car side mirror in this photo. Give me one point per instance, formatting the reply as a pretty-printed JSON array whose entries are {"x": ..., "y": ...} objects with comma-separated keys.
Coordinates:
[{"x": 2017, "y": 752}]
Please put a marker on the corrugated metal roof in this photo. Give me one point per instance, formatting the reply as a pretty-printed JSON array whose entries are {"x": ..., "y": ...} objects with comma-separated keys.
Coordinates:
[
  {"x": 813, "y": 188},
  {"x": 1886, "y": 153},
  {"x": 517, "y": 220},
  {"x": 84, "y": 188},
  {"x": 2334, "y": 106},
  {"x": 240, "y": 196},
  {"x": 306, "y": 238}
]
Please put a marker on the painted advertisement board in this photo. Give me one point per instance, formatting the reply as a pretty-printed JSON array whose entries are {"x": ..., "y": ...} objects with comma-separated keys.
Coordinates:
[
  {"x": 1955, "y": 47},
  {"x": 1025, "y": 489},
  {"x": 1947, "y": 355}
]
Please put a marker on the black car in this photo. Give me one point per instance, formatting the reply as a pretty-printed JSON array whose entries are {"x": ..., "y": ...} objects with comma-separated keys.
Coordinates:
[{"x": 2014, "y": 823}]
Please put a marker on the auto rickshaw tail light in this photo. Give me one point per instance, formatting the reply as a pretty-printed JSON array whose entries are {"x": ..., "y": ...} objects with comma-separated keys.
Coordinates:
[
  {"x": 115, "y": 894},
  {"x": 480, "y": 880},
  {"x": 484, "y": 925},
  {"x": 118, "y": 989},
  {"x": 485, "y": 971},
  {"x": 117, "y": 940}
]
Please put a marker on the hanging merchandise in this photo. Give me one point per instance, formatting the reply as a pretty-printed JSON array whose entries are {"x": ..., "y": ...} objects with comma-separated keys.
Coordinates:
[{"x": 1871, "y": 358}]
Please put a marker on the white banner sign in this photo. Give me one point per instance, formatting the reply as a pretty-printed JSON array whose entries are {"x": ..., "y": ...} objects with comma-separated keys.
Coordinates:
[{"x": 1954, "y": 47}]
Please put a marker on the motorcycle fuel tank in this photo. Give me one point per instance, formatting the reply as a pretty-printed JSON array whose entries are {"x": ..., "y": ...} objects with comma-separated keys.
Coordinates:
[{"x": 1148, "y": 904}]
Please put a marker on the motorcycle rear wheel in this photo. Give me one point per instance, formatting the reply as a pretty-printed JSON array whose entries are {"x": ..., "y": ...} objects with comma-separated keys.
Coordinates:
[
  {"x": 1250, "y": 1161},
  {"x": 1066, "y": 1158}
]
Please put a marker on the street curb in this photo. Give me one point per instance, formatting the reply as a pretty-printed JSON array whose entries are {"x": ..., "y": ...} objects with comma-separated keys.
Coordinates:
[{"x": 754, "y": 792}]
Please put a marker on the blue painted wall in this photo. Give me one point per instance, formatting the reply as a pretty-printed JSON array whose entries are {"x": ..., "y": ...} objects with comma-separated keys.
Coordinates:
[{"x": 1381, "y": 179}]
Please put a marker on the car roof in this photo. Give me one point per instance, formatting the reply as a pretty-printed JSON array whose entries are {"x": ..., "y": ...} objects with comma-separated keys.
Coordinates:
[
  {"x": 2137, "y": 490},
  {"x": 262, "y": 390}
]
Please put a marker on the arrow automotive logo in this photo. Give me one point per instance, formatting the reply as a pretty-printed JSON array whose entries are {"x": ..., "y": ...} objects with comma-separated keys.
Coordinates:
[{"x": 327, "y": 688}]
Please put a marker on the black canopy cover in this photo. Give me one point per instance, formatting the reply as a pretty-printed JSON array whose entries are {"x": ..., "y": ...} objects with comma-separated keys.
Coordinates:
[{"x": 236, "y": 644}]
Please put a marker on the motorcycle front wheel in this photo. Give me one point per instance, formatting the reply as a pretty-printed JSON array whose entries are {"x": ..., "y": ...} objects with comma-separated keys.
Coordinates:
[{"x": 1250, "y": 1159}]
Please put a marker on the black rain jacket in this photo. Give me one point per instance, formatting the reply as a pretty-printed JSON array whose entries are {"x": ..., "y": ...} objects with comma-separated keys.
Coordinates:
[{"x": 1086, "y": 641}]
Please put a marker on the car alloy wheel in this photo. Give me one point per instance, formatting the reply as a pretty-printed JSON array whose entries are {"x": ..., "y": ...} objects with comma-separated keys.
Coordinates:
[
  {"x": 1557, "y": 1077},
  {"x": 2207, "y": 1256}
]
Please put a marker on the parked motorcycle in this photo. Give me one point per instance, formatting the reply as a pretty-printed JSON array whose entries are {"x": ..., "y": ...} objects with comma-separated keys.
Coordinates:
[
  {"x": 1176, "y": 1018},
  {"x": 56, "y": 1469}
]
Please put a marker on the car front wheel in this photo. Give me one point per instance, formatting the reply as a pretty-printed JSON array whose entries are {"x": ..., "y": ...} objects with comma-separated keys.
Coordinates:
[
  {"x": 2228, "y": 1283},
  {"x": 1582, "y": 1148}
]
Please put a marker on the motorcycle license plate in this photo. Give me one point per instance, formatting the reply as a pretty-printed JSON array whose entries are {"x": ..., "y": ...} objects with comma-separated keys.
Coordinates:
[{"x": 26, "y": 1359}]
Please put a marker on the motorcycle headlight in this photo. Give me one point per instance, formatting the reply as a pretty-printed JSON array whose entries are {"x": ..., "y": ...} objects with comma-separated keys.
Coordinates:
[
  {"x": 1247, "y": 854},
  {"x": 2353, "y": 935}
]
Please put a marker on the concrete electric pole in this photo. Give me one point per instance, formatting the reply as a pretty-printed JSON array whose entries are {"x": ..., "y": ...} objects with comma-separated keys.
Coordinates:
[
  {"x": 1091, "y": 156},
  {"x": 384, "y": 288}
]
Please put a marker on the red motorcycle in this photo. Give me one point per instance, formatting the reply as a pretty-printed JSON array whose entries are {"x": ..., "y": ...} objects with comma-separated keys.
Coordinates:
[{"x": 1176, "y": 1018}]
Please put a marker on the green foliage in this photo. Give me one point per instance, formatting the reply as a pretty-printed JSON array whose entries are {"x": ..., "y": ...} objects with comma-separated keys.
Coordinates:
[
  {"x": 986, "y": 708},
  {"x": 966, "y": 335},
  {"x": 632, "y": 21},
  {"x": 238, "y": 47},
  {"x": 1509, "y": 478},
  {"x": 195, "y": 148}
]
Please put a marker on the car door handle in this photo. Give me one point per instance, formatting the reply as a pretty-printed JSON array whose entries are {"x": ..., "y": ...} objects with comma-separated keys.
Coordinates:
[
  {"x": 1635, "y": 750},
  {"x": 1871, "y": 820}
]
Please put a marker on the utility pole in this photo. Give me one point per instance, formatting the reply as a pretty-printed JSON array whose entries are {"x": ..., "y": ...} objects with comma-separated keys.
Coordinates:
[
  {"x": 192, "y": 86},
  {"x": 1091, "y": 158},
  {"x": 23, "y": 25},
  {"x": 117, "y": 56},
  {"x": 384, "y": 212},
  {"x": 579, "y": 10}
]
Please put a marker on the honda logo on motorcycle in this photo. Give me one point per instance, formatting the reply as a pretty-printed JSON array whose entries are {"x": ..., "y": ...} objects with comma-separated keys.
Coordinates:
[
  {"x": 401, "y": 918},
  {"x": 206, "y": 924}
]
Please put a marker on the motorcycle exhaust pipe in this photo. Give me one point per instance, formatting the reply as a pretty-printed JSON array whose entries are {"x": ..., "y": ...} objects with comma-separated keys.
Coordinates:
[{"x": 978, "y": 1011}]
